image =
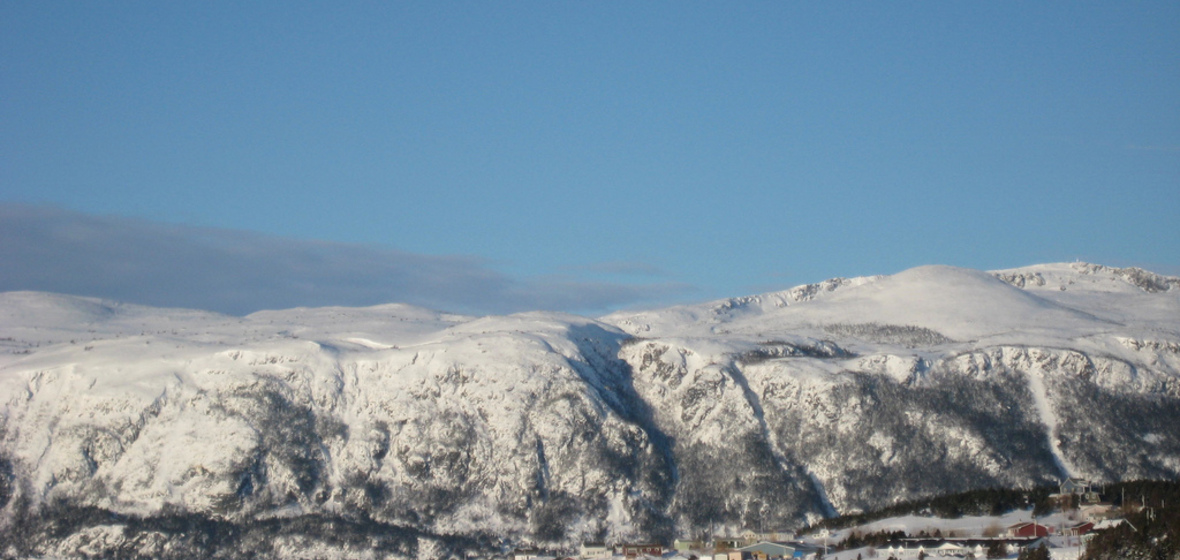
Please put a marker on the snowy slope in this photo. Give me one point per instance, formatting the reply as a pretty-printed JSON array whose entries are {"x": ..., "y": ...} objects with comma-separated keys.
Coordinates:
[
  {"x": 453, "y": 432},
  {"x": 961, "y": 304}
]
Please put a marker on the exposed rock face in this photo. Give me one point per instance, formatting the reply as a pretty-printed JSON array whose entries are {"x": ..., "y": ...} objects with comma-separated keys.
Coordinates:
[{"x": 397, "y": 432}]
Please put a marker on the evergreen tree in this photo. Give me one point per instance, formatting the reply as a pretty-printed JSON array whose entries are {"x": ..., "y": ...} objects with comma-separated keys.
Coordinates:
[{"x": 1037, "y": 553}]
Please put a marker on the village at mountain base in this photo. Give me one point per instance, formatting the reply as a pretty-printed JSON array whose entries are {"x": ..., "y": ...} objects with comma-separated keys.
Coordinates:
[{"x": 1078, "y": 513}]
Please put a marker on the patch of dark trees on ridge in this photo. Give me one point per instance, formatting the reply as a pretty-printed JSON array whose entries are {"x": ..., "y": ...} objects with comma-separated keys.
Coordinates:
[{"x": 188, "y": 535}]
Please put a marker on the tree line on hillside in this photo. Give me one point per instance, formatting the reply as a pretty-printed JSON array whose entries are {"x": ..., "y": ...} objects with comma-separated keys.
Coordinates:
[{"x": 990, "y": 501}]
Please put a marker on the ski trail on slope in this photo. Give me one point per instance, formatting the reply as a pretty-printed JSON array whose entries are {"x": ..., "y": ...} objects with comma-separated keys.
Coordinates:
[
  {"x": 772, "y": 441},
  {"x": 1036, "y": 385},
  {"x": 829, "y": 509}
]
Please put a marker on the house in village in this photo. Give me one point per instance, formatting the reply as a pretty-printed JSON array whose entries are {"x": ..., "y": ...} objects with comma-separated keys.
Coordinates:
[
  {"x": 1028, "y": 529},
  {"x": 1074, "y": 486},
  {"x": 777, "y": 536},
  {"x": 1099, "y": 512},
  {"x": 948, "y": 548},
  {"x": 1078, "y": 530},
  {"x": 1086, "y": 491},
  {"x": 642, "y": 549},
  {"x": 726, "y": 544},
  {"x": 892, "y": 549},
  {"x": 594, "y": 550},
  {"x": 526, "y": 554}
]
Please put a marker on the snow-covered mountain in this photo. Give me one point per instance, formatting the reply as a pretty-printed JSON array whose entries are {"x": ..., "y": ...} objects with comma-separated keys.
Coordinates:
[{"x": 396, "y": 430}]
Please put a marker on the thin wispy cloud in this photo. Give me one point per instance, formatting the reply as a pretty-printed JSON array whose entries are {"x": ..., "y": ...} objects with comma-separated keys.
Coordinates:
[{"x": 238, "y": 272}]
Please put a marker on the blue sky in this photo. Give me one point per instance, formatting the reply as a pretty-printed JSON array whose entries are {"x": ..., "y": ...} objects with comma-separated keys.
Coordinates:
[{"x": 492, "y": 157}]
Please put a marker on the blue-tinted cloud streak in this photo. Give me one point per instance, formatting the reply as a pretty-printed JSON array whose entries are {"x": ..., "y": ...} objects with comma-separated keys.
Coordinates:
[{"x": 238, "y": 272}]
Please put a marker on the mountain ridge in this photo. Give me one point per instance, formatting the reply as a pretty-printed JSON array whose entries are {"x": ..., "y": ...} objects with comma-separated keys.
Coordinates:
[{"x": 767, "y": 411}]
